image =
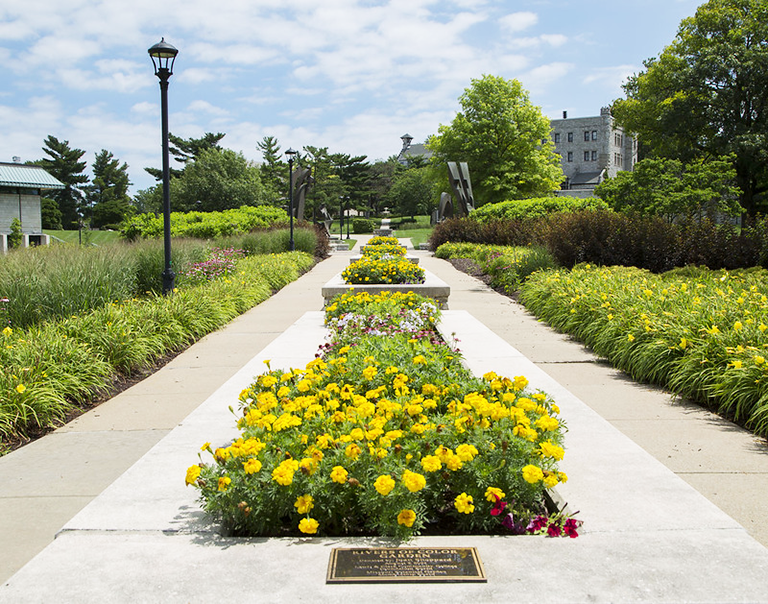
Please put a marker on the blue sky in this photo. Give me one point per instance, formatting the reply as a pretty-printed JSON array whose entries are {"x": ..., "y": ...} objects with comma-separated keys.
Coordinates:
[{"x": 350, "y": 75}]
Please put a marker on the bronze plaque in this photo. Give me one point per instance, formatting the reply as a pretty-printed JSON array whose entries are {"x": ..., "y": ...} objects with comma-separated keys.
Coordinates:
[{"x": 405, "y": 565}]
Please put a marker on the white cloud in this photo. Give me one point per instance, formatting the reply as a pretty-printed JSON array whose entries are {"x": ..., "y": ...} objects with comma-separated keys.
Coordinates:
[
  {"x": 206, "y": 107},
  {"x": 515, "y": 22}
]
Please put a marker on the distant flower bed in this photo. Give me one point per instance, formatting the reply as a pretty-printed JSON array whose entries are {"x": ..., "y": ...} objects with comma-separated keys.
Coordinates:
[
  {"x": 372, "y": 271},
  {"x": 384, "y": 250},
  {"x": 386, "y": 434},
  {"x": 222, "y": 262},
  {"x": 382, "y": 240}
]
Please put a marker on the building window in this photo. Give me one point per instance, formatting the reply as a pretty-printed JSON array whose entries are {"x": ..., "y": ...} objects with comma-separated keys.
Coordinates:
[
  {"x": 570, "y": 137},
  {"x": 618, "y": 139},
  {"x": 570, "y": 156},
  {"x": 557, "y": 137},
  {"x": 594, "y": 135},
  {"x": 594, "y": 155},
  {"x": 586, "y": 135},
  {"x": 586, "y": 155}
]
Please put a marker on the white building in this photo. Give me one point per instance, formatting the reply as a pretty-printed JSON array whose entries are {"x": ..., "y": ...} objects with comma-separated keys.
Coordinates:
[
  {"x": 591, "y": 149},
  {"x": 20, "y": 187}
]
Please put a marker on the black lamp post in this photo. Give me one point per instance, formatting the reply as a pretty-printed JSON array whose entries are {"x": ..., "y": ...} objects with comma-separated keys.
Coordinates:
[
  {"x": 291, "y": 154},
  {"x": 341, "y": 217},
  {"x": 163, "y": 56}
]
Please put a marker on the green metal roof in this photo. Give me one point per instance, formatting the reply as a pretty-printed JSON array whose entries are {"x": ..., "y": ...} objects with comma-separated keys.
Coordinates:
[{"x": 27, "y": 177}]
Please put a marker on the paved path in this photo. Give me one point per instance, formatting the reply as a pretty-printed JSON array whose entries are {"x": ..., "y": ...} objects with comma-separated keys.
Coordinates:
[{"x": 46, "y": 483}]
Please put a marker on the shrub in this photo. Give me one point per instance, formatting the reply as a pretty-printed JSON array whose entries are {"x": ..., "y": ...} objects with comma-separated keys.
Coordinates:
[
  {"x": 526, "y": 209},
  {"x": 15, "y": 237},
  {"x": 493, "y": 232},
  {"x": 363, "y": 225}
]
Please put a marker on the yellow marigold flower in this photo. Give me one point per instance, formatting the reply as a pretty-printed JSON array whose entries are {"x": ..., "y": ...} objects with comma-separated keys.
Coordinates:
[
  {"x": 492, "y": 492},
  {"x": 206, "y": 447},
  {"x": 414, "y": 481},
  {"x": 758, "y": 360},
  {"x": 308, "y": 526},
  {"x": 384, "y": 484},
  {"x": 453, "y": 463},
  {"x": 406, "y": 518},
  {"x": 418, "y": 428},
  {"x": 369, "y": 372},
  {"x": 339, "y": 474},
  {"x": 550, "y": 480},
  {"x": 532, "y": 474},
  {"x": 463, "y": 504},
  {"x": 304, "y": 503},
  {"x": 419, "y": 360},
  {"x": 193, "y": 473},
  {"x": 282, "y": 475},
  {"x": 344, "y": 350},
  {"x": 431, "y": 463},
  {"x": 21, "y": 388},
  {"x": 563, "y": 477},
  {"x": 252, "y": 466},
  {"x": 7, "y": 331},
  {"x": 547, "y": 449},
  {"x": 520, "y": 382},
  {"x": 352, "y": 451},
  {"x": 224, "y": 483},
  {"x": 547, "y": 423},
  {"x": 737, "y": 326},
  {"x": 309, "y": 465},
  {"x": 268, "y": 380},
  {"x": 466, "y": 452}
]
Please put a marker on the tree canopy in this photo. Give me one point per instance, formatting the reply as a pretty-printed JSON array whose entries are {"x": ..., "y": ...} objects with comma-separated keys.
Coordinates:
[
  {"x": 185, "y": 150},
  {"x": 218, "y": 179},
  {"x": 413, "y": 192},
  {"x": 706, "y": 94},
  {"x": 671, "y": 188},
  {"x": 505, "y": 140}
]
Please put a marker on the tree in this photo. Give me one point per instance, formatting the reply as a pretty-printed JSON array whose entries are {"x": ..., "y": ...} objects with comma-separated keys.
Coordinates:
[
  {"x": 50, "y": 214},
  {"x": 328, "y": 189},
  {"x": 219, "y": 179},
  {"x": 64, "y": 163},
  {"x": 413, "y": 192},
  {"x": 504, "y": 139},
  {"x": 670, "y": 188},
  {"x": 185, "y": 150},
  {"x": 706, "y": 95},
  {"x": 107, "y": 195},
  {"x": 273, "y": 170}
]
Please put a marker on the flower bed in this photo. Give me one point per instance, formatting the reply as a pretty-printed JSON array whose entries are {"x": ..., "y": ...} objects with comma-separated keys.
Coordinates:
[
  {"x": 386, "y": 434},
  {"x": 383, "y": 240},
  {"x": 700, "y": 333},
  {"x": 372, "y": 271}
]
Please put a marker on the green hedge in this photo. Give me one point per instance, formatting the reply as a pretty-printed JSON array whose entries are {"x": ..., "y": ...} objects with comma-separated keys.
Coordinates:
[{"x": 522, "y": 209}]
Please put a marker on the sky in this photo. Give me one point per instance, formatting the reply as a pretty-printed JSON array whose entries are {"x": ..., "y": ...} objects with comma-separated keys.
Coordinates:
[{"x": 350, "y": 75}]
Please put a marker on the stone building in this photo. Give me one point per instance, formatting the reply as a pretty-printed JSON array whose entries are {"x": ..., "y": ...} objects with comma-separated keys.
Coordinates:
[
  {"x": 591, "y": 149},
  {"x": 20, "y": 192}
]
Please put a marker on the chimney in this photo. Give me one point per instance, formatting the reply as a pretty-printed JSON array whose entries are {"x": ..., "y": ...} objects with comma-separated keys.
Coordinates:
[
  {"x": 16, "y": 159},
  {"x": 565, "y": 115}
]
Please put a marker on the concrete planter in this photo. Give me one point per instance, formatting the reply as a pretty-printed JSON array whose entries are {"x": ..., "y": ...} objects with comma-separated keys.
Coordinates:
[
  {"x": 412, "y": 259},
  {"x": 433, "y": 287}
]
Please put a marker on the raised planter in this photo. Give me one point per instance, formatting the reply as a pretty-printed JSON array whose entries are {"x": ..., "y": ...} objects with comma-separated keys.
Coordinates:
[
  {"x": 433, "y": 287},
  {"x": 412, "y": 259}
]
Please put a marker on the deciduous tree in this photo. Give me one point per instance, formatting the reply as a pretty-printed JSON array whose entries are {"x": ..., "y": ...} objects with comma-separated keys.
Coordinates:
[
  {"x": 706, "y": 94},
  {"x": 504, "y": 138}
]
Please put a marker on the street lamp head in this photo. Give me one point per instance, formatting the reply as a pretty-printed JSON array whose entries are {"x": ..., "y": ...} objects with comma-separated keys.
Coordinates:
[
  {"x": 291, "y": 153},
  {"x": 163, "y": 56}
]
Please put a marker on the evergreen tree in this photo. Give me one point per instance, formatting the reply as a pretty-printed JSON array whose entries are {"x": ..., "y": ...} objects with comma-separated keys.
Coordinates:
[
  {"x": 274, "y": 172},
  {"x": 184, "y": 150},
  {"x": 64, "y": 163},
  {"x": 108, "y": 196}
]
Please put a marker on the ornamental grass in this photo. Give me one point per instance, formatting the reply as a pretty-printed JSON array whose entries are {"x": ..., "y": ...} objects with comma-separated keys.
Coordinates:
[
  {"x": 386, "y": 434},
  {"x": 50, "y": 368},
  {"x": 698, "y": 332}
]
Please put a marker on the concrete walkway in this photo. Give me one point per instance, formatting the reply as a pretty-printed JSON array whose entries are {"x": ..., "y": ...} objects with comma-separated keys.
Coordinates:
[{"x": 669, "y": 544}]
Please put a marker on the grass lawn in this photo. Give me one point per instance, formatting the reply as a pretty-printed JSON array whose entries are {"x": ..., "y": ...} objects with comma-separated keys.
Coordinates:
[{"x": 89, "y": 237}]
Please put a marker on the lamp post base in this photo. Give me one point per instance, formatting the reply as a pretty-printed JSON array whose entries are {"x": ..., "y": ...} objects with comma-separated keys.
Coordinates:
[{"x": 169, "y": 278}]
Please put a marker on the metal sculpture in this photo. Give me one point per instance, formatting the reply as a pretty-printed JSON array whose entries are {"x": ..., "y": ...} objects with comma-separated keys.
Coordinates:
[
  {"x": 458, "y": 174},
  {"x": 302, "y": 182}
]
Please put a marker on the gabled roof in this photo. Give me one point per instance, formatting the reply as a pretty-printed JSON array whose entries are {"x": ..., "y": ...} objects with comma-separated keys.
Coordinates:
[{"x": 27, "y": 177}]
